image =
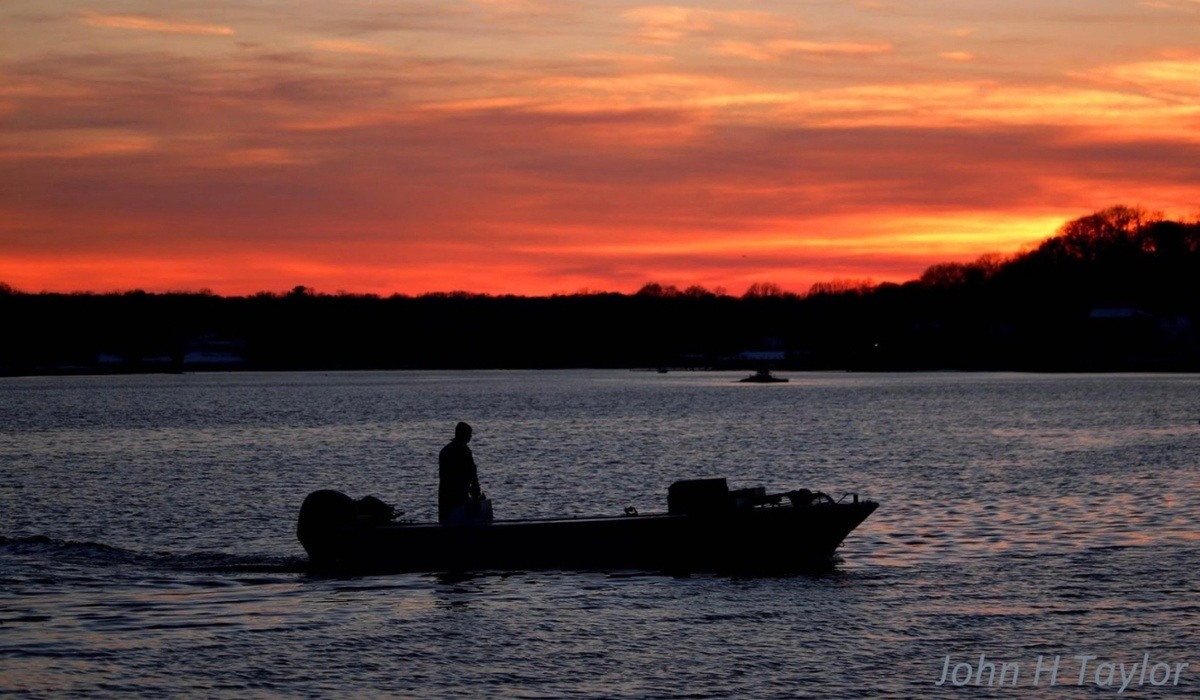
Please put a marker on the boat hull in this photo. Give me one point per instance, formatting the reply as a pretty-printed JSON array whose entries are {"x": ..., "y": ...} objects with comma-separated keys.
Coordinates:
[{"x": 757, "y": 540}]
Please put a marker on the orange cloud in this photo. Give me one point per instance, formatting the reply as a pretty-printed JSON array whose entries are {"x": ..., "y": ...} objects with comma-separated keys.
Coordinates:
[
  {"x": 960, "y": 56},
  {"x": 669, "y": 24},
  {"x": 1179, "y": 5},
  {"x": 351, "y": 47},
  {"x": 513, "y": 5},
  {"x": 1175, "y": 78},
  {"x": 949, "y": 104},
  {"x": 79, "y": 143},
  {"x": 151, "y": 24},
  {"x": 777, "y": 49}
]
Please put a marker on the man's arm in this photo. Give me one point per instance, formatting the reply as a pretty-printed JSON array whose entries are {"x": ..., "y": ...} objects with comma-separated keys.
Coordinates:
[{"x": 473, "y": 475}]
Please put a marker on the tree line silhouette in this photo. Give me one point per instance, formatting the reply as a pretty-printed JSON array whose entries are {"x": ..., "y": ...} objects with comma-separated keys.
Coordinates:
[{"x": 1116, "y": 290}]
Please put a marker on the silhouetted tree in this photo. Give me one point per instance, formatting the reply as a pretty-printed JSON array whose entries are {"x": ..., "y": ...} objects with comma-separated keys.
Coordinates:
[
  {"x": 764, "y": 290},
  {"x": 654, "y": 289},
  {"x": 841, "y": 286},
  {"x": 698, "y": 292}
]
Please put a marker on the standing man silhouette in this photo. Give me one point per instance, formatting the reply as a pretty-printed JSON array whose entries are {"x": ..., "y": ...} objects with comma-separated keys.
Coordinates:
[{"x": 459, "y": 496}]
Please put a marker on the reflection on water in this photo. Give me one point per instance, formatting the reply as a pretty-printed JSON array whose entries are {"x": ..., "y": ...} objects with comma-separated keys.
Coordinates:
[{"x": 149, "y": 547}]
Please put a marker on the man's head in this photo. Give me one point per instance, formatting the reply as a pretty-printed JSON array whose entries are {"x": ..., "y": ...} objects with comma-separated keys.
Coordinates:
[{"x": 462, "y": 432}]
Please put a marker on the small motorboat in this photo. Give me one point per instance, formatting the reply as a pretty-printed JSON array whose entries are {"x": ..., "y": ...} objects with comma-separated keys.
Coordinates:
[
  {"x": 763, "y": 376},
  {"x": 707, "y": 528}
]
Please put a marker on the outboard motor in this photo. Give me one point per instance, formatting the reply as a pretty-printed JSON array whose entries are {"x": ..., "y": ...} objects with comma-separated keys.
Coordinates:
[
  {"x": 326, "y": 511},
  {"x": 321, "y": 513}
]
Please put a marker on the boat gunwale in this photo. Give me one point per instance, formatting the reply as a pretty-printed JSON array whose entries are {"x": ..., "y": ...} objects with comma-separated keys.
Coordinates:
[{"x": 412, "y": 524}]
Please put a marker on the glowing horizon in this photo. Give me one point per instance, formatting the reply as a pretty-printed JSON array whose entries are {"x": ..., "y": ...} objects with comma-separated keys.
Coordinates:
[{"x": 535, "y": 148}]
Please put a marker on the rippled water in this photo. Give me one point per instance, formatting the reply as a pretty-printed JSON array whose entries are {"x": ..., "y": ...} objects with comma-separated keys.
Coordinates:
[{"x": 148, "y": 535}]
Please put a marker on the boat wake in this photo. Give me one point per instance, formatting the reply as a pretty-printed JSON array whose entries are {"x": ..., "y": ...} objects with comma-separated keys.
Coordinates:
[{"x": 40, "y": 549}]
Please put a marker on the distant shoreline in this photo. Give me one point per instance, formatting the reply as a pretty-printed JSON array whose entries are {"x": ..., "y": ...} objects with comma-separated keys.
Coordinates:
[{"x": 1114, "y": 292}]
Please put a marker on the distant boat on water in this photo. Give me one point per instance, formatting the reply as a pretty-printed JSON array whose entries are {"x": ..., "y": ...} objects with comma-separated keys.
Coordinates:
[{"x": 763, "y": 376}]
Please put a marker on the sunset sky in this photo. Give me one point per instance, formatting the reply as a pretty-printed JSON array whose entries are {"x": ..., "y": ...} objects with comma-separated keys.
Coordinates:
[{"x": 538, "y": 147}]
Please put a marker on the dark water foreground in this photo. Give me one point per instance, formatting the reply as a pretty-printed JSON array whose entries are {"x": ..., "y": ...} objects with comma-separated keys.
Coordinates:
[{"x": 1048, "y": 524}]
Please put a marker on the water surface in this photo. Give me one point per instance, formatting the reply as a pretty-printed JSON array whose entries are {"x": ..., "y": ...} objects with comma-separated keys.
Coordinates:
[{"x": 149, "y": 547}]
